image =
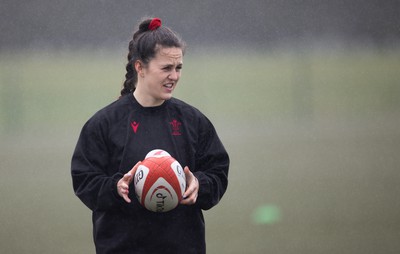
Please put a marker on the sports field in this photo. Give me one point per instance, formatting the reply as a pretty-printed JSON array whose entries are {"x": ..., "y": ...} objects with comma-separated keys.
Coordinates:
[{"x": 314, "y": 140}]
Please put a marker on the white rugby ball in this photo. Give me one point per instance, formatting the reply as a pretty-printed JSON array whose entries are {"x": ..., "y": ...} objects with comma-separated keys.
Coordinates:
[{"x": 159, "y": 182}]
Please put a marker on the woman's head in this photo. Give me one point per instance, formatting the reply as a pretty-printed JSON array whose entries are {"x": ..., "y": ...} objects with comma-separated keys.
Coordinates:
[{"x": 147, "y": 41}]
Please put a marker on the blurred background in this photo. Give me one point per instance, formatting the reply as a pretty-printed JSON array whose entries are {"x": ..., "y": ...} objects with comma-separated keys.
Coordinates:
[{"x": 305, "y": 95}]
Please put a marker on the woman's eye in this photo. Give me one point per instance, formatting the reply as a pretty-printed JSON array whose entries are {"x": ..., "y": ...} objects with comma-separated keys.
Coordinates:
[{"x": 170, "y": 68}]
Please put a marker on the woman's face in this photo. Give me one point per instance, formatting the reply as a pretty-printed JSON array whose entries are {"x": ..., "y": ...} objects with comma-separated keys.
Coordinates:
[{"x": 158, "y": 79}]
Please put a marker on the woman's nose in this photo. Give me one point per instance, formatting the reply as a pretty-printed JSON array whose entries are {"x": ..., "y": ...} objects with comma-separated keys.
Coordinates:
[{"x": 174, "y": 75}]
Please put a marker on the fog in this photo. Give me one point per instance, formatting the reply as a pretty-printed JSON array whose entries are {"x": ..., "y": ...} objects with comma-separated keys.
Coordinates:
[
  {"x": 305, "y": 96},
  {"x": 253, "y": 23}
]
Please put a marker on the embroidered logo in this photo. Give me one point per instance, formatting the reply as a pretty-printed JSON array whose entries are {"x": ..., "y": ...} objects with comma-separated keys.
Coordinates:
[
  {"x": 134, "y": 126},
  {"x": 176, "y": 127}
]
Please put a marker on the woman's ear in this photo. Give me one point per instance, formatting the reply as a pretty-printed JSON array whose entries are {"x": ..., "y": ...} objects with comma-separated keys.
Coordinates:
[{"x": 138, "y": 65}]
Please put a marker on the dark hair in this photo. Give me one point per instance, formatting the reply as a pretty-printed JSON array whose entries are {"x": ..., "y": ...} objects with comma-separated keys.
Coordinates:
[{"x": 144, "y": 46}]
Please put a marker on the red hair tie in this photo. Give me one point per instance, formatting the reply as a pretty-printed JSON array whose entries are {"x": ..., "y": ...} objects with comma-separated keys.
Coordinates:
[{"x": 154, "y": 24}]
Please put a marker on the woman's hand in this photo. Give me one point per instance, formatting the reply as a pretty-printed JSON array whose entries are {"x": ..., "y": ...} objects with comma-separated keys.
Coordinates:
[
  {"x": 192, "y": 188},
  {"x": 123, "y": 183}
]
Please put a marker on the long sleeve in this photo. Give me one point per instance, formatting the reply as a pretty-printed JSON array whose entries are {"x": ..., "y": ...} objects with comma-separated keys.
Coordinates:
[
  {"x": 111, "y": 143},
  {"x": 212, "y": 166},
  {"x": 91, "y": 182}
]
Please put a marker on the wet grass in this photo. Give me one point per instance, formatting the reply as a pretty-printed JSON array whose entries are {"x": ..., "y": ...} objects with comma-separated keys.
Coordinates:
[{"x": 314, "y": 135}]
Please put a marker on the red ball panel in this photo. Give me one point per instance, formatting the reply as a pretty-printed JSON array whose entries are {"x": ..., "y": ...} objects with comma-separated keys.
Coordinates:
[{"x": 160, "y": 167}]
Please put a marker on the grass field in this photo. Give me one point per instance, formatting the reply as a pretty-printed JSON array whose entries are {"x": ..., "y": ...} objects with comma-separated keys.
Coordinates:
[{"x": 313, "y": 136}]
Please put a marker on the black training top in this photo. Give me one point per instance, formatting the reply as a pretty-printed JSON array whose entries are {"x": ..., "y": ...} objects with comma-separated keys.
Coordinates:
[{"x": 113, "y": 141}]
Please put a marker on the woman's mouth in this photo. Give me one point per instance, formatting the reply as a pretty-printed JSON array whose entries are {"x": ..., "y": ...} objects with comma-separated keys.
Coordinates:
[{"x": 169, "y": 86}]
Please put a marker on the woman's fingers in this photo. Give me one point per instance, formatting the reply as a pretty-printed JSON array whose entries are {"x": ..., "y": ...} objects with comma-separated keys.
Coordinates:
[
  {"x": 123, "y": 183},
  {"x": 192, "y": 188}
]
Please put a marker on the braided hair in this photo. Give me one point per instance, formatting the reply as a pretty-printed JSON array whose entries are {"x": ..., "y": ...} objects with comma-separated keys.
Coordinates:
[{"x": 143, "y": 47}]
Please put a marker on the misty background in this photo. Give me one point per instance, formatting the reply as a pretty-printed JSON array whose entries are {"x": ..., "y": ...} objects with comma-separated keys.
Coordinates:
[
  {"x": 64, "y": 24},
  {"x": 305, "y": 96}
]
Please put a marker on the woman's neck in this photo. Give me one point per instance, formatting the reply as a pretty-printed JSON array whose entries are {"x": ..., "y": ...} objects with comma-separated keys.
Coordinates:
[{"x": 146, "y": 101}]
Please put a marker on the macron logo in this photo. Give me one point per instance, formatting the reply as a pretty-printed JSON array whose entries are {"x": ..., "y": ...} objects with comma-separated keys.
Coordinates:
[{"x": 134, "y": 126}]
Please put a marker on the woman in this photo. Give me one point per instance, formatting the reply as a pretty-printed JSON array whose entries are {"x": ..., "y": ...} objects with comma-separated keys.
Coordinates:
[{"x": 116, "y": 138}]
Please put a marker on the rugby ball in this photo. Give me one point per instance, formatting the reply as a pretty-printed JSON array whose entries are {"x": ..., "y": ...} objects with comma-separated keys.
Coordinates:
[{"x": 159, "y": 182}]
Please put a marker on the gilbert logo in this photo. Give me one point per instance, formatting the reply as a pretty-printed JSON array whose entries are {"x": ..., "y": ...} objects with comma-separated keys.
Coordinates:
[
  {"x": 134, "y": 126},
  {"x": 176, "y": 127}
]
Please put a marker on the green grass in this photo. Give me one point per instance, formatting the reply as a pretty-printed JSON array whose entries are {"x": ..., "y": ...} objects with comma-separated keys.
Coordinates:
[
  {"x": 313, "y": 134},
  {"x": 63, "y": 87}
]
